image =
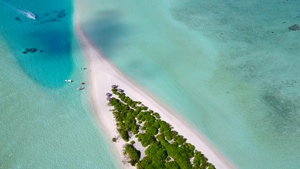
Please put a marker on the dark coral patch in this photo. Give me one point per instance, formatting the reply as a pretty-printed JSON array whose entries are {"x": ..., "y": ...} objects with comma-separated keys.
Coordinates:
[{"x": 295, "y": 27}]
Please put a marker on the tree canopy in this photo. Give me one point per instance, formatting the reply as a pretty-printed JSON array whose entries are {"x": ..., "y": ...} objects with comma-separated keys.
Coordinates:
[{"x": 165, "y": 148}]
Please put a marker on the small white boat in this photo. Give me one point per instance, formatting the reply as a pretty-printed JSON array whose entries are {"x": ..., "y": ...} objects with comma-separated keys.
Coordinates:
[
  {"x": 69, "y": 81},
  {"x": 30, "y": 15},
  {"x": 80, "y": 88}
]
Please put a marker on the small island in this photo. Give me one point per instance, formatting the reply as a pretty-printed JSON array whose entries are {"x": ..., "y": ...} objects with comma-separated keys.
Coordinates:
[{"x": 162, "y": 147}]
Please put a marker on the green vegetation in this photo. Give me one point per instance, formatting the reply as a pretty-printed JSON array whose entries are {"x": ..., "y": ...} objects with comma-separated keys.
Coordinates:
[
  {"x": 132, "y": 153},
  {"x": 165, "y": 148}
]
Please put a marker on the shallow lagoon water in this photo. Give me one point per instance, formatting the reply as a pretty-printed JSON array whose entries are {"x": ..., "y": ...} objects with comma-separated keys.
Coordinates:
[
  {"x": 228, "y": 68},
  {"x": 44, "y": 121}
]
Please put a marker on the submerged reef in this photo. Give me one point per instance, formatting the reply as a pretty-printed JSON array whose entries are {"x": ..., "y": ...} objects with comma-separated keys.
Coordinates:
[
  {"x": 31, "y": 50},
  {"x": 61, "y": 14},
  {"x": 295, "y": 27}
]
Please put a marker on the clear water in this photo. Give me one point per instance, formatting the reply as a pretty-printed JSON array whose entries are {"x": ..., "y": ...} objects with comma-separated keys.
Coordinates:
[
  {"x": 48, "y": 33},
  {"x": 45, "y": 122},
  {"x": 228, "y": 68}
]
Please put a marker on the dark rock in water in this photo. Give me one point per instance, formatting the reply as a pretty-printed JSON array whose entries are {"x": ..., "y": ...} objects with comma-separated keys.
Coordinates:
[
  {"x": 61, "y": 15},
  {"x": 18, "y": 19},
  {"x": 31, "y": 50},
  {"x": 295, "y": 27}
]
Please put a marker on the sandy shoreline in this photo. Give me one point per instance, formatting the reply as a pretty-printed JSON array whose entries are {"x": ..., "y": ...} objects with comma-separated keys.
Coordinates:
[{"x": 103, "y": 74}]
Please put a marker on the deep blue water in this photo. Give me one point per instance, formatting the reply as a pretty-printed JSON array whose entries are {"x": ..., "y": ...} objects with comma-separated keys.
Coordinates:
[{"x": 50, "y": 34}]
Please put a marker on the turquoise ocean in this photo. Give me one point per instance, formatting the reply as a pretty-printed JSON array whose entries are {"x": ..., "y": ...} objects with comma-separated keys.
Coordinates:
[
  {"x": 229, "y": 68},
  {"x": 44, "y": 121}
]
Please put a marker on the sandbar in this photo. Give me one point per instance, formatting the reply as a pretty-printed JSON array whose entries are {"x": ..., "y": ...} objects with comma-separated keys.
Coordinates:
[{"x": 103, "y": 74}]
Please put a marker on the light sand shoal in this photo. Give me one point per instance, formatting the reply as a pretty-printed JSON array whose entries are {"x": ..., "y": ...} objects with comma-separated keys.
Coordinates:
[{"x": 103, "y": 74}]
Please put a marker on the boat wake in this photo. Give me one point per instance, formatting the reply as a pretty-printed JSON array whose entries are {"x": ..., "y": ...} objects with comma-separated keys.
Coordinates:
[
  {"x": 28, "y": 14},
  {"x": 23, "y": 12}
]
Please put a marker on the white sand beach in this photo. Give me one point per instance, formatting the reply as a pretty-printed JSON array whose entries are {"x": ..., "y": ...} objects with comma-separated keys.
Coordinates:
[{"x": 103, "y": 74}]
